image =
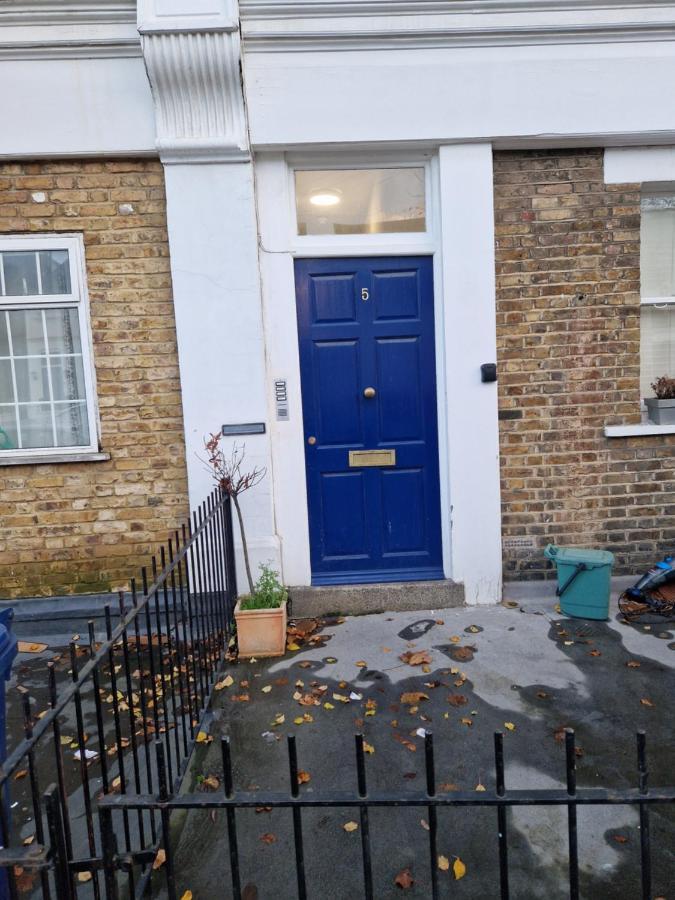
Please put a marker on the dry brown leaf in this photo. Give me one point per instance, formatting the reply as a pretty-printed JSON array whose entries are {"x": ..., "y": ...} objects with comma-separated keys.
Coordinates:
[
  {"x": 416, "y": 658},
  {"x": 456, "y": 639},
  {"x": 350, "y": 826},
  {"x": 443, "y": 863},
  {"x": 424, "y": 824},
  {"x": 160, "y": 859},
  {"x": 457, "y": 700},
  {"x": 620, "y": 838},
  {"x": 368, "y": 748},
  {"x": 467, "y": 722},
  {"x": 633, "y": 664},
  {"x": 83, "y": 877},
  {"x": 595, "y": 653},
  {"x": 305, "y": 664},
  {"x": 447, "y": 786},
  {"x": 413, "y": 697},
  {"x": 268, "y": 838},
  {"x": 303, "y": 777},
  {"x": 404, "y": 879},
  {"x": 645, "y": 701},
  {"x": 211, "y": 782},
  {"x": 224, "y": 683},
  {"x": 462, "y": 654},
  {"x": 20, "y": 774},
  {"x": 361, "y": 664},
  {"x": 30, "y": 647}
]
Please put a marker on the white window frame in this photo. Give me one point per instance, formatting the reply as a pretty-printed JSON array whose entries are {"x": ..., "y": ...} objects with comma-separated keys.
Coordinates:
[{"x": 77, "y": 299}]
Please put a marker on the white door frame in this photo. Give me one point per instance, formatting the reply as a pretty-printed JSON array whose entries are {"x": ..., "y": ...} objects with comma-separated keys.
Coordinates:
[{"x": 279, "y": 246}]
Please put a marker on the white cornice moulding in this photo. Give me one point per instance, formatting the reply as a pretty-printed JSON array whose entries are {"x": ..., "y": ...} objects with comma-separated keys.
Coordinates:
[
  {"x": 196, "y": 87},
  {"x": 415, "y": 38},
  {"x": 68, "y": 12},
  {"x": 71, "y": 49},
  {"x": 292, "y": 9}
]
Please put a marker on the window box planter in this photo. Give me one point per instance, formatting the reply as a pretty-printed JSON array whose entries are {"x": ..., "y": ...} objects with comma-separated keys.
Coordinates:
[
  {"x": 661, "y": 412},
  {"x": 261, "y": 632}
]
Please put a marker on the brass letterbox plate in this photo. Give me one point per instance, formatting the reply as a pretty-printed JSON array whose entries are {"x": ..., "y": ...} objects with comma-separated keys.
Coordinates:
[{"x": 362, "y": 458}]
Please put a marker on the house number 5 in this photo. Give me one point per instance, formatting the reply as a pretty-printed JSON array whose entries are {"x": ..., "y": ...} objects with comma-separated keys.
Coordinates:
[{"x": 364, "y": 294}]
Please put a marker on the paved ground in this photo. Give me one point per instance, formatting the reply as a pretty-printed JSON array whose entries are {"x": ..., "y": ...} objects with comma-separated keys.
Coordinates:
[{"x": 531, "y": 667}]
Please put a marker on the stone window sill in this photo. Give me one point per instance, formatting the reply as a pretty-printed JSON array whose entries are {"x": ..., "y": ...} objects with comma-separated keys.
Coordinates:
[
  {"x": 644, "y": 429},
  {"x": 52, "y": 458}
]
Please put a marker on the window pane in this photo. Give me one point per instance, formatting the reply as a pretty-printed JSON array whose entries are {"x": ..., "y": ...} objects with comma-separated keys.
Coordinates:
[
  {"x": 36, "y": 425},
  {"x": 72, "y": 429},
  {"x": 32, "y": 380},
  {"x": 657, "y": 346},
  {"x": 6, "y": 386},
  {"x": 25, "y": 327},
  {"x": 9, "y": 439},
  {"x": 55, "y": 271},
  {"x": 657, "y": 253},
  {"x": 4, "y": 341},
  {"x": 63, "y": 331},
  {"x": 20, "y": 272},
  {"x": 67, "y": 377},
  {"x": 360, "y": 201}
]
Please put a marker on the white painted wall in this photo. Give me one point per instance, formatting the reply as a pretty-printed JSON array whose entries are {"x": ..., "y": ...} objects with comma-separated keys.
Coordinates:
[
  {"x": 606, "y": 92},
  {"x": 75, "y": 107},
  {"x": 467, "y": 248},
  {"x": 216, "y": 290},
  {"x": 639, "y": 164}
]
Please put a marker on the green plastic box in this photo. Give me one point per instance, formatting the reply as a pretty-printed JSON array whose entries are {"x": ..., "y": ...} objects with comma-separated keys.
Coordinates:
[{"x": 584, "y": 580}]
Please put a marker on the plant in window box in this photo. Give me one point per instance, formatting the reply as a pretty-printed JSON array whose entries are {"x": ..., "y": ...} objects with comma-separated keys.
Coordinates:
[
  {"x": 661, "y": 408},
  {"x": 261, "y": 617}
]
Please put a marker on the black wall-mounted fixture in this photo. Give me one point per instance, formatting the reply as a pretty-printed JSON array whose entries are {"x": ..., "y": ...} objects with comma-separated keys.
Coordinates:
[{"x": 488, "y": 372}]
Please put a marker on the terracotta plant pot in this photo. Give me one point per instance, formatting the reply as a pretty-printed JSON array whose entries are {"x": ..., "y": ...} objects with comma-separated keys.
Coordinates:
[{"x": 261, "y": 632}]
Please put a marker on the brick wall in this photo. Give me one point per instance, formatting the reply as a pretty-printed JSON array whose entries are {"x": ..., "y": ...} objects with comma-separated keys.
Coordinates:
[
  {"x": 568, "y": 348},
  {"x": 80, "y": 527}
]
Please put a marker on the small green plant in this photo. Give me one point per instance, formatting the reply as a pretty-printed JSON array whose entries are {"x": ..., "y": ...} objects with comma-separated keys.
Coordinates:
[
  {"x": 268, "y": 592},
  {"x": 664, "y": 388}
]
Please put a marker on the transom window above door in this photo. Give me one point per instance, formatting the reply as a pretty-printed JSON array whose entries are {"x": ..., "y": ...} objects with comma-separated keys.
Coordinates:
[
  {"x": 360, "y": 201},
  {"x": 46, "y": 382}
]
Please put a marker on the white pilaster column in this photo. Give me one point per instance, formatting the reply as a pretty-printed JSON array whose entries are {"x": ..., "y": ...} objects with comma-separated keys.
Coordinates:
[
  {"x": 191, "y": 50},
  {"x": 468, "y": 265}
]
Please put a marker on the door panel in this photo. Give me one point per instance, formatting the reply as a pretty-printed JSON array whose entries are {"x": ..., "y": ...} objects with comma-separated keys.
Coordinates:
[{"x": 369, "y": 324}]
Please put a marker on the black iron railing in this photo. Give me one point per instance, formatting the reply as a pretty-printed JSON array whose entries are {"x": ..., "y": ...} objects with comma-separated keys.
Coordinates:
[
  {"x": 146, "y": 680},
  {"x": 500, "y": 799}
]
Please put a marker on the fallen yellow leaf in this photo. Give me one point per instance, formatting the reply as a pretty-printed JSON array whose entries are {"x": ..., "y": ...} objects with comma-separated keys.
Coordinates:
[
  {"x": 361, "y": 664},
  {"x": 350, "y": 826},
  {"x": 160, "y": 859},
  {"x": 226, "y": 682},
  {"x": 292, "y": 646},
  {"x": 510, "y": 726},
  {"x": 186, "y": 896},
  {"x": 202, "y": 737},
  {"x": 443, "y": 863},
  {"x": 328, "y": 705},
  {"x": 480, "y": 787},
  {"x": 83, "y": 877},
  {"x": 458, "y": 868},
  {"x": 368, "y": 748}
]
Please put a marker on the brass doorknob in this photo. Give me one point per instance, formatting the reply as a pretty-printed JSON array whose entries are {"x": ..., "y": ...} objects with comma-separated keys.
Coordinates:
[
  {"x": 369, "y": 393},
  {"x": 311, "y": 440}
]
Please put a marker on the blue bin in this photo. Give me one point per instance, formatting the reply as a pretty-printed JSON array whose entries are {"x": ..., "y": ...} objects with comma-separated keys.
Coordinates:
[
  {"x": 7, "y": 654},
  {"x": 584, "y": 580}
]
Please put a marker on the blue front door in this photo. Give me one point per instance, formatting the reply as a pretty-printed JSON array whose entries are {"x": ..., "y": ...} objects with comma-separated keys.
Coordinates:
[{"x": 368, "y": 370}]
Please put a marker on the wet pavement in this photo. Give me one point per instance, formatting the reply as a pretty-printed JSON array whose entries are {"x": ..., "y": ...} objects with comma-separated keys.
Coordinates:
[{"x": 528, "y": 666}]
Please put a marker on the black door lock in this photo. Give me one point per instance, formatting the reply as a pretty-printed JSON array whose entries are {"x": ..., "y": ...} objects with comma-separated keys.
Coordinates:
[{"x": 488, "y": 372}]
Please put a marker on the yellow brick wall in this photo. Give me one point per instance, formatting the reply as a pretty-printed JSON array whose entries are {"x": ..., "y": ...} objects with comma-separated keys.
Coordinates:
[
  {"x": 568, "y": 334},
  {"x": 81, "y": 527}
]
